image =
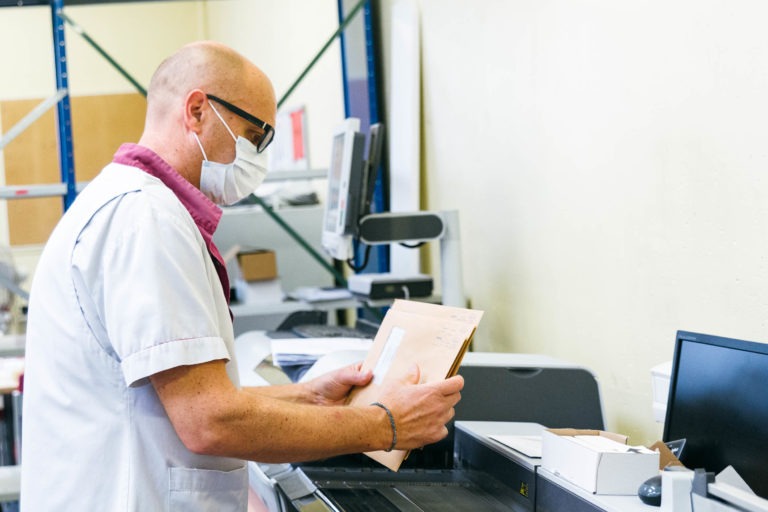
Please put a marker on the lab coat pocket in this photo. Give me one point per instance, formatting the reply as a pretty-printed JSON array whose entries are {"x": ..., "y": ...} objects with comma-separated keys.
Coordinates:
[{"x": 192, "y": 490}]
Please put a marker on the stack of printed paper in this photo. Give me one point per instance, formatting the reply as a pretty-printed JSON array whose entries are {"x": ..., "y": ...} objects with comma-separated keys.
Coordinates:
[{"x": 305, "y": 351}]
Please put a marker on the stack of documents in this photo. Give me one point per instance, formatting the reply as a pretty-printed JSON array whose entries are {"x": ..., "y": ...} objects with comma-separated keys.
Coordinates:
[
  {"x": 434, "y": 337},
  {"x": 317, "y": 294},
  {"x": 306, "y": 351}
]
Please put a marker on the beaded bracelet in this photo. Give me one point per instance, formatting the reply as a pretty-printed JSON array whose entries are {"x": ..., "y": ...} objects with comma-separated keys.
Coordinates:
[{"x": 391, "y": 423}]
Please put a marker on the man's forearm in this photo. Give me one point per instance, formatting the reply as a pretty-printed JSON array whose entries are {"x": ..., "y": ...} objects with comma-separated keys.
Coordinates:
[
  {"x": 271, "y": 424},
  {"x": 271, "y": 429},
  {"x": 297, "y": 393}
]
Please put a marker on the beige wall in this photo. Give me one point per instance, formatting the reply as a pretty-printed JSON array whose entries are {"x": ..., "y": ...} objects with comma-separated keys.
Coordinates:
[{"x": 609, "y": 162}]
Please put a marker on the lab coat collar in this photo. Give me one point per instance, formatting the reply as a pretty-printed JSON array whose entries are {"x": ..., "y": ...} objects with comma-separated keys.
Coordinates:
[{"x": 204, "y": 212}]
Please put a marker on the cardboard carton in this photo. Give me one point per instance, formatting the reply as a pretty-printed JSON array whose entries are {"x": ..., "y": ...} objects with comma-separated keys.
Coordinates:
[
  {"x": 258, "y": 265},
  {"x": 597, "y": 461}
]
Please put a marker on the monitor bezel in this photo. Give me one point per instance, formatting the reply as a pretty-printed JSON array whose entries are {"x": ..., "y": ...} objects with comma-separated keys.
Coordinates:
[
  {"x": 685, "y": 337},
  {"x": 340, "y": 211}
]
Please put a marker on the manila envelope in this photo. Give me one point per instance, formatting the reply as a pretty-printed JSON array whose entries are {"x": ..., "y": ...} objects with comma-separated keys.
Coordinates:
[
  {"x": 432, "y": 336},
  {"x": 472, "y": 316}
]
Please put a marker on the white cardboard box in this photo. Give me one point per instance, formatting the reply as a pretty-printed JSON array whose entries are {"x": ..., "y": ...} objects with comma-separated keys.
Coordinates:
[{"x": 597, "y": 461}]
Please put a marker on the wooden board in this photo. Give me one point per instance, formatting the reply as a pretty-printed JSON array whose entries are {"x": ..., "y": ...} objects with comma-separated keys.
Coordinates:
[{"x": 99, "y": 125}]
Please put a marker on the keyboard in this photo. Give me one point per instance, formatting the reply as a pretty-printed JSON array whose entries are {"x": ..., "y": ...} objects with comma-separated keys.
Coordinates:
[{"x": 328, "y": 331}]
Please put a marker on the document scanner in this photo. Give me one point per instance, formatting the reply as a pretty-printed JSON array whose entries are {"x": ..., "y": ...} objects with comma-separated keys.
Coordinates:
[{"x": 459, "y": 473}]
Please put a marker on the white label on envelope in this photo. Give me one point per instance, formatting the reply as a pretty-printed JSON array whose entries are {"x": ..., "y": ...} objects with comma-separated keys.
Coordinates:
[{"x": 388, "y": 354}]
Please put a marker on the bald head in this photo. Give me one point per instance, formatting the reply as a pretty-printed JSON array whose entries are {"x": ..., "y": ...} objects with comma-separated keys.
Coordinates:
[
  {"x": 179, "y": 116},
  {"x": 215, "y": 69}
]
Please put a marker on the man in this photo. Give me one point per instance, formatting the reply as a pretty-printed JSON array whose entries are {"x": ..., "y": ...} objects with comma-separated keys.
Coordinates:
[{"x": 131, "y": 394}]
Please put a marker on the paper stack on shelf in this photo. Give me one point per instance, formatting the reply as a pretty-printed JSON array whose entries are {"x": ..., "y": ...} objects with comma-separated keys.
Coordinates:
[
  {"x": 305, "y": 351},
  {"x": 319, "y": 294}
]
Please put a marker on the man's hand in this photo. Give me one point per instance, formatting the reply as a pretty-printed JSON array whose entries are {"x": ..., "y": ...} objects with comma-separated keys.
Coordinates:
[
  {"x": 422, "y": 410},
  {"x": 333, "y": 387}
]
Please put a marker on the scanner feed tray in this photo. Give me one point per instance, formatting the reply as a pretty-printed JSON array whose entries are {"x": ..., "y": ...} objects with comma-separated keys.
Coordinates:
[{"x": 411, "y": 491}]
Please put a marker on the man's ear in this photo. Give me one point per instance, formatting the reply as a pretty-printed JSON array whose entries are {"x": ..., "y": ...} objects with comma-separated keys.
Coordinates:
[{"x": 194, "y": 106}]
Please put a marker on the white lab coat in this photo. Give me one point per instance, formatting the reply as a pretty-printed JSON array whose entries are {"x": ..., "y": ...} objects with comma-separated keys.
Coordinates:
[{"x": 125, "y": 288}]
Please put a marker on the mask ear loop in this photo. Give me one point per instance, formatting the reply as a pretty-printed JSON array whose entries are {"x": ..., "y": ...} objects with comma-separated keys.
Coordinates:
[
  {"x": 197, "y": 139},
  {"x": 222, "y": 121}
]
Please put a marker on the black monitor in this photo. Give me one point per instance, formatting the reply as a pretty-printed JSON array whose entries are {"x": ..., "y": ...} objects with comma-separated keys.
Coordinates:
[
  {"x": 373, "y": 161},
  {"x": 342, "y": 205},
  {"x": 718, "y": 402},
  {"x": 351, "y": 184}
]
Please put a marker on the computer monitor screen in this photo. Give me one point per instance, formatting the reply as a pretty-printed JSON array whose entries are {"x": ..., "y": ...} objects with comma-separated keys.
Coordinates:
[
  {"x": 719, "y": 404},
  {"x": 334, "y": 200},
  {"x": 342, "y": 202}
]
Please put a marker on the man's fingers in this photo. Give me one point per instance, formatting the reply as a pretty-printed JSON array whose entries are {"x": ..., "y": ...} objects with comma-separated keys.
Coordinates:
[
  {"x": 451, "y": 385},
  {"x": 413, "y": 375},
  {"x": 353, "y": 375}
]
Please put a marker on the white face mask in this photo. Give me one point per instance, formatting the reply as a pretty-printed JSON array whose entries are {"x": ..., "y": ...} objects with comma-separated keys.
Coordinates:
[{"x": 226, "y": 184}]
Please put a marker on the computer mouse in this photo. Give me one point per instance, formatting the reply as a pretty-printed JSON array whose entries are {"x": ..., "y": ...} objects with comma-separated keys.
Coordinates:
[{"x": 649, "y": 491}]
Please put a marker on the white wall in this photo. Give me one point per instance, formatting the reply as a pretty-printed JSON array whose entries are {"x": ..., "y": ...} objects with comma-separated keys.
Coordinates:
[{"x": 608, "y": 159}]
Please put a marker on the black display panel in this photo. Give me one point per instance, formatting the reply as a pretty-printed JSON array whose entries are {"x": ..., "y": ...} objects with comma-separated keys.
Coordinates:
[{"x": 718, "y": 402}]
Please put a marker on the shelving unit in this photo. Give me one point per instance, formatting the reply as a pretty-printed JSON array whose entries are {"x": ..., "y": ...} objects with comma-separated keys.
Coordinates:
[
  {"x": 355, "y": 30},
  {"x": 68, "y": 188}
]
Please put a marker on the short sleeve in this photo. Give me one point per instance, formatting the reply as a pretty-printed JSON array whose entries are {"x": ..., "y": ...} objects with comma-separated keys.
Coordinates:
[{"x": 151, "y": 278}]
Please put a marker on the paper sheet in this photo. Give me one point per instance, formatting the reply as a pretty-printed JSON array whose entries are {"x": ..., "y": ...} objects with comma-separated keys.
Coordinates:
[{"x": 530, "y": 446}]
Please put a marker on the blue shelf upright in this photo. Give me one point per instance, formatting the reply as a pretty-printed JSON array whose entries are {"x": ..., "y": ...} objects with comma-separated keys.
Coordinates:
[
  {"x": 63, "y": 111},
  {"x": 360, "y": 75}
]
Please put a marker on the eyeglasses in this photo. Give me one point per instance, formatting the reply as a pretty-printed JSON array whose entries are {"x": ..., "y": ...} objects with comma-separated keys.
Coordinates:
[{"x": 269, "y": 132}]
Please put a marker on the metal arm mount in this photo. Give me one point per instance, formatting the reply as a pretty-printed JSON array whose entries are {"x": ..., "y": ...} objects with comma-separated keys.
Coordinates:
[{"x": 388, "y": 228}]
